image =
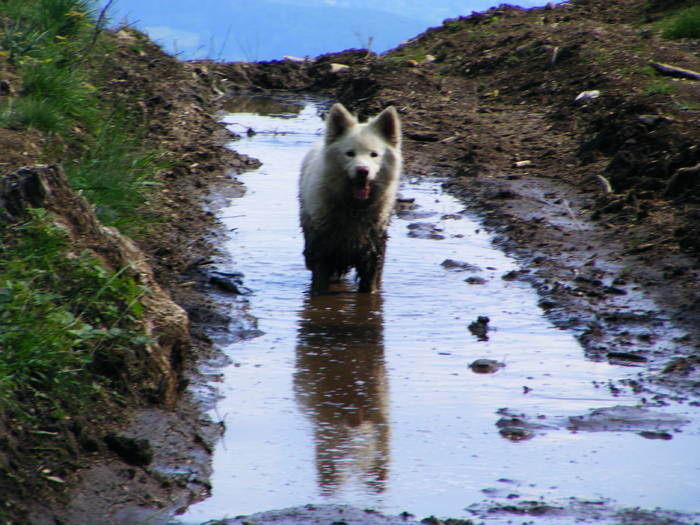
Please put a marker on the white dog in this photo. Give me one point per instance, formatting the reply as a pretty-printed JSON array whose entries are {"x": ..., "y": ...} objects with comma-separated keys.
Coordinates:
[{"x": 347, "y": 192}]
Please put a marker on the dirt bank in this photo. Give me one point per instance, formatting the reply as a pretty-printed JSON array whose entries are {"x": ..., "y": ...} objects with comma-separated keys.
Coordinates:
[
  {"x": 596, "y": 196},
  {"x": 149, "y": 450}
]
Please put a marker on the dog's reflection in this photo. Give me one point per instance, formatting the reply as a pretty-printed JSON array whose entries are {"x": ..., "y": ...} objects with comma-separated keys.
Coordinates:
[{"x": 340, "y": 382}]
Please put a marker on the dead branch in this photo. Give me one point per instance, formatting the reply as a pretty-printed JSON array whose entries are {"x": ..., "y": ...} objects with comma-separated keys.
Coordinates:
[{"x": 674, "y": 71}]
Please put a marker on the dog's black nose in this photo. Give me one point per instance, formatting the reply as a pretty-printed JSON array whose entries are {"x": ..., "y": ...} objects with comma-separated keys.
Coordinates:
[{"x": 361, "y": 172}]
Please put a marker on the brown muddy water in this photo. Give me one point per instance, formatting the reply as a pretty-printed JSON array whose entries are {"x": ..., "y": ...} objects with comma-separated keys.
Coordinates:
[{"x": 370, "y": 400}]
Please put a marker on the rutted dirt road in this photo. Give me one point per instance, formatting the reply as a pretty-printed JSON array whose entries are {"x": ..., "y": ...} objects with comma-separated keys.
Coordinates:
[{"x": 598, "y": 197}]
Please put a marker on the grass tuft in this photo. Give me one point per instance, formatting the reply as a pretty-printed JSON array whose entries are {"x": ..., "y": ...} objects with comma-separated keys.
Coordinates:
[
  {"x": 684, "y": 24},
  {"x": 117, "y": 174}
]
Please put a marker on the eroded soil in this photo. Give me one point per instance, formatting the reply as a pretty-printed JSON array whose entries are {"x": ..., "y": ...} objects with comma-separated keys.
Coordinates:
[{"x": 586, "y": 194}]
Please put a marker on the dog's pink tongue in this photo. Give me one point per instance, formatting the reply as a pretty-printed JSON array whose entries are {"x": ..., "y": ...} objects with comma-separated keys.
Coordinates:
[{"x": 361, "y": 192}]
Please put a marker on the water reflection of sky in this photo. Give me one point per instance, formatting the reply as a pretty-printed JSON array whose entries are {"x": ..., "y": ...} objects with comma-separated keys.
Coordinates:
[
  {"x": 369, "y": 400},
  {"x": 232, "y": 30}
]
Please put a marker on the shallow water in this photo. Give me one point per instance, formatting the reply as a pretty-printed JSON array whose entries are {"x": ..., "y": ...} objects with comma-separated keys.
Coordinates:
[{"x": 368, "y": 399}]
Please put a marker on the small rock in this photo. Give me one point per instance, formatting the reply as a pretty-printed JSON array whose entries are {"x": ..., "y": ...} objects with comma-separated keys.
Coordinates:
[
  {"x": 631, "y": 357},
  {"x": 480, "y": 328},
  {"x": 683, "y": 180},
  {"x": 587, "y": 95},
  {"x": 515, "y": 433},
  {"x": 522, "y": 164},
  {"x": 511, "y": 275},
  {"x": 137, "y": 452},
  {"x": 338, "y": 68},
  {"x": 649, "y": 434},
  {"x": 626, "y": 418},
  {"x": 229, "y": 283},
  {"x": 486, "y": 366},
  {"x": 652, "y": 120},
  {"x": 681, "y": 366},
  {"x": 424, "y": 230},
  {"x": 423, "y": 137},
  {"x": 451, "y": 264}
]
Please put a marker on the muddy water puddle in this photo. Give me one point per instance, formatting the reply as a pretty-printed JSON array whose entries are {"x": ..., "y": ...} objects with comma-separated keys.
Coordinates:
[{"x": 370, "y": 399}]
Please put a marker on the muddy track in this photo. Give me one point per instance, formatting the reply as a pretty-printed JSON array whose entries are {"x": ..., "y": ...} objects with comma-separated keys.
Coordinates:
[{"x": 521, "y": 153}]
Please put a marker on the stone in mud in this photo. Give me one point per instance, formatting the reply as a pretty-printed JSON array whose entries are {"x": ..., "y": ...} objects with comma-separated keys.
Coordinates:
[
  {"x": 626, "y": 357},
  {"x": 626, "y": 418},
  {"x": 486, "y": 366},
  {"x": 425, "y": 230},
  {"x": 682, "y": 366},
  {"x": 318, "y": 515},
  {"x": 229, "y": 283},
  {"x": 451, "y": 264},
  {"x": 682, "y": 181},
  {"x": 423, "y": 137},
  {"x": 432, "y": 520},
  {"x": 413, "y": 214},
  {"x": 480, "y": 328},
  {"x": 516, "y": 433},
  {"x": 511, "y": 275},
  {"x": 519, "y": 427},
  {"x": 137, "y": 452},
  {"x": 649, "y": 434}
]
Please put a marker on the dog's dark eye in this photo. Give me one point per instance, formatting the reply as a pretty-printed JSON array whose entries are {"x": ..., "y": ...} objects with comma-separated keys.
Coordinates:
[
  {"x": 374, "y": 154},
  {"x": 350, "y": 153}
]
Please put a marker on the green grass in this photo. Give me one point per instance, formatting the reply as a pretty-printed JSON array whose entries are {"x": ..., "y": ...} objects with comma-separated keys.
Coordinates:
[
  {"x": 688, "y": 105},
  {"x": 50, "y": 42},
  {"x": 54, "y": 99},
  {"x": 70, "y": 330},
  {"x": 661, "y": 86},
  {"x": 116, "y": 174},
  {"x": 406, "y": 53},
  {"x": 58, "y": 310},
  {"x": 684, "y": 24},
  {"x": 47, "y": 40}
]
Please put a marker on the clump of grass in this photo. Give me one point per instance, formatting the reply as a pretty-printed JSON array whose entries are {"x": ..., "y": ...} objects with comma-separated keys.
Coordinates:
[
  {"x": 661, "y": 86},
  {"x": 50, "y": 42},
  {"x": 58, "y": 310},
  {"x": 684, "y": 24},
  {"x": 54, "y": 99},
  {"x": 407, "y": 53},
  {"x": 116, "y": 173},
  {"x": 46, "y": 40}
]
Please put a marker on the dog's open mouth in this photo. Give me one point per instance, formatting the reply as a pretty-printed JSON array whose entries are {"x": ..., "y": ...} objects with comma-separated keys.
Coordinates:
[{"x": 361, "y": 190}]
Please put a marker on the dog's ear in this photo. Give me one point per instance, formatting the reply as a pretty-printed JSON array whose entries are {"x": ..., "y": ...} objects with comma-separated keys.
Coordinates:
[
  {"x": 339, "y": 120},
  {"x": 388, "y": 125}
]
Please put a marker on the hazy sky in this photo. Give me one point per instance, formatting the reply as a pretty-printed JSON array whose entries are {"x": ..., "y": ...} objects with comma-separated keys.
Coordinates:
[{"x": 271, "y": 29}]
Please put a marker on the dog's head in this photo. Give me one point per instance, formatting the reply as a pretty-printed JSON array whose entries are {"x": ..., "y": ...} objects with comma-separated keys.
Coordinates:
[{"x": 362, "y": 150}]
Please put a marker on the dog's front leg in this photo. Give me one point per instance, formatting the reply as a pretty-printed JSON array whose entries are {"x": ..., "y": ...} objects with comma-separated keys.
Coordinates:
[{"x": 320, "y": 278}]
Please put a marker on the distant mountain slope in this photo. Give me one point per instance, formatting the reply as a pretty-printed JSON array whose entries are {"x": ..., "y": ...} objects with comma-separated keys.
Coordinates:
[{"x": 264, "y": 29}]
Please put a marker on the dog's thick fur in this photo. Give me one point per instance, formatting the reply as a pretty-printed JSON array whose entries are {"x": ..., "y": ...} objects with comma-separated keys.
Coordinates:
[{"x": 347, "y": 192}]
